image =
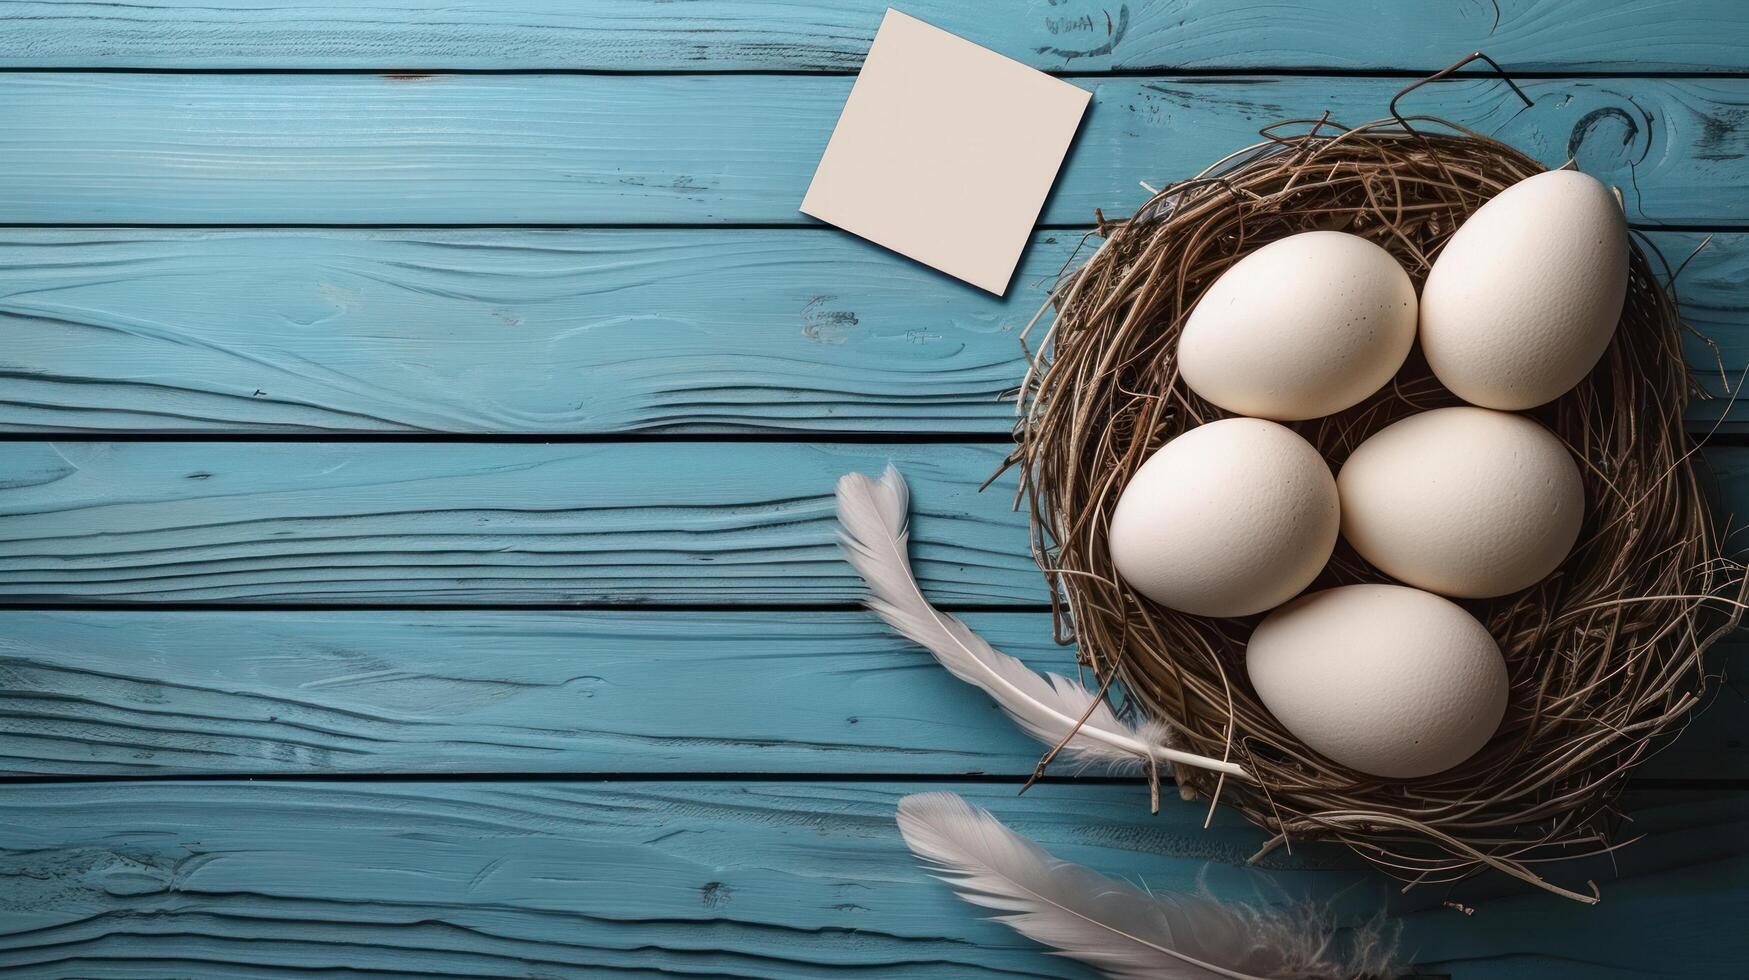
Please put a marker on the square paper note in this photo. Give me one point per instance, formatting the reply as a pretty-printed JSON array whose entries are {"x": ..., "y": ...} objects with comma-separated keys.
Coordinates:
[{"x": 945, "y": 151}]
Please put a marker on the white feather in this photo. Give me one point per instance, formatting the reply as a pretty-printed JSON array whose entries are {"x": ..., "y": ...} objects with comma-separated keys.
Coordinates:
[
  {"x": 875, "y": 534},
  {"x": 1124, "y": 932}
]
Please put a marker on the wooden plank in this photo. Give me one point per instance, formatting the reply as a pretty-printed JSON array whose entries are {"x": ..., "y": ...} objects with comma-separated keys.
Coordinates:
[
  {"x": 227, "y": 879},
  {"x": 118, "y": 693},
  {"x": 501, "y": 331},
  {"x": 637, "y": 523},
  {"x": 472, "y": 879},
  {"x": 734, "y": 523},
  {"x": 541, "y": 331},
  {"x": 591, "y": 149},
  {"x": 1079, "y": 35},
  {"x": 251, "y": 693}
]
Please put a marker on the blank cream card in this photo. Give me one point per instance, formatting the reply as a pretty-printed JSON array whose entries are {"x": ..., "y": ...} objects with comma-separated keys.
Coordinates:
[{"x": 945, "y": 151}]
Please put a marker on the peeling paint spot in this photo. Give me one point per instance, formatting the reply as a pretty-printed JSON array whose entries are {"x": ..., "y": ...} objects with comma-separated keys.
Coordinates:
[
  {"x": 1068, "y": 25},
  {"x": 824, "y": 326},
  {"x": 682, "y": 184},
  {"x": 715, "y": 894},
  {"x": 1720, "y": 135}
]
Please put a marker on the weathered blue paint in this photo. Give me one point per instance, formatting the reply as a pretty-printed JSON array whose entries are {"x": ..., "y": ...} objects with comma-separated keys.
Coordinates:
[
  {"x": 298, "y": 692},
  {"x": 747, "y": 524},
  {"x": 536, "y": 331},
  {"x": 587, "y": 149},
  {"x": 756, "y": 879},
  {"x": 501, "y": 331},
  {"x": 714, "y": 35}
]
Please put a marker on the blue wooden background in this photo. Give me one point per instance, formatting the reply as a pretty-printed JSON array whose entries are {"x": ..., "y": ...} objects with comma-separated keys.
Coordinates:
[{"x": 419, "y": 427}]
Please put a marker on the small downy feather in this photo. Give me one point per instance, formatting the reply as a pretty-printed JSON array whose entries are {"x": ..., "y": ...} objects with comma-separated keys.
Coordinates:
[
  {"x": 1120, "y": 930},
  {"x": 874, "y": 530}
]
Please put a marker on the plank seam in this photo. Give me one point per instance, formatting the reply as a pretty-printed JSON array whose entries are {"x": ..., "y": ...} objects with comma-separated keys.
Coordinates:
[
  {"x": 813, "y": 226},
  {"x": 411, "y": 436},
  {"x": 762, "y": 608},
  {"x": 1159, "y": 71},
  {"x": 1734, "y": 784},
  {"x": 1722, "y": 439}
]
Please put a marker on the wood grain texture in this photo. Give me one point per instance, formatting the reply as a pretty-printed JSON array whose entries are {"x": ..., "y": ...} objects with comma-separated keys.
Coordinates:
[
  {"x": 539, "y": 331},
  {"x": 223, "y": 879},
  {"x": 501, "y": 331},
  {"x": 627, "y": 523},
  {"x": 591, "y": 149},
  {"x": 519, "y": 879},
  {"x": 236, "y": 693},
  {"x": 715, "y": 35},
  {"x": 248, "y": 693}
]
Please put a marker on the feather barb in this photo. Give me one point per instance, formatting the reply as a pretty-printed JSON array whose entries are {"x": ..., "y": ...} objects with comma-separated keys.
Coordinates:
[
  {"x": 875, "y": 533},
  {"x": 1119, "y": 929}
]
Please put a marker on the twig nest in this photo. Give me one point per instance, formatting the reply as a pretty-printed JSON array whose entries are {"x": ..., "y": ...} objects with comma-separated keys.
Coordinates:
[{"x": 1601, "y": 656}]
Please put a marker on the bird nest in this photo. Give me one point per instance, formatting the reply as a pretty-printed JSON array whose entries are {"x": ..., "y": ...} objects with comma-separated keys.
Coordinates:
[{"x": 1604, "y": 655}]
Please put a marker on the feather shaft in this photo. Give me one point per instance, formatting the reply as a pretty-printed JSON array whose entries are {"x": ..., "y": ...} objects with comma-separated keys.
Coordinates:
[
  {"x": 1115, "y": 927},
  {"x": 874, "y": 530}
]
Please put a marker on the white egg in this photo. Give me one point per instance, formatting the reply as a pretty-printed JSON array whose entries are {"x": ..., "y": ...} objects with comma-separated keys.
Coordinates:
[
  {"x": 1385, "y": 679},
  {"x": 1462, "y": 501},
  {"x": 1303, "y": 327},
  {"x": 1524, "y": 299},
  {"x": 1229, "y": 519}
]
